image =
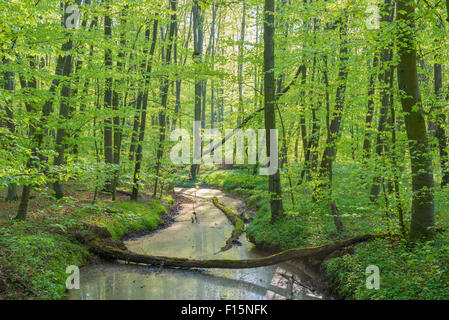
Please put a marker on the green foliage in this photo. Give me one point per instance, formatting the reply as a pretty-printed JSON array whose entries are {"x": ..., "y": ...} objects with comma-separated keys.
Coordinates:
[
  {"x": 231, "y": 180},
  {"x": 418, "y": 273},
  {"x": 249, "y": 187},
  {"x": 34, "y": 259},
  {"x": 169, "y": 199},
  {"x": 286, "y": 232},
  {"x": 32, "y": 41},
  {"x": 421, "y": 272},
  {"x": 35, "y": 255}
]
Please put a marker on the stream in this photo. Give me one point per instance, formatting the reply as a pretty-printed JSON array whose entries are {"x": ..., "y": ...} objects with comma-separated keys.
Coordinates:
[{"x": 202, "y": 240}]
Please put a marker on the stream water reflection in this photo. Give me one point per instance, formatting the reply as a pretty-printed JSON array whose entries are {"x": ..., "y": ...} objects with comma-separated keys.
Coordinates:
[{"x": 200, "y": 240}]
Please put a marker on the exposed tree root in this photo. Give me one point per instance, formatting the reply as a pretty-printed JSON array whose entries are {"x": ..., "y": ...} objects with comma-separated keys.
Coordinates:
[{"x": 317, "y": 252}]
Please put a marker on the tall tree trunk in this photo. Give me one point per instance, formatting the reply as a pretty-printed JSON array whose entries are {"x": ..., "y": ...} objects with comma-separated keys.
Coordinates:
[
  {"x": 330, "y": 152},
  {"x": 439, "y": 124},
  {"x": 422, "y": 220},
  {"x": 212, "y": 57},
  {"x": 63, "y": 117},
  {"x": 164, "y": 95},
  {"x": 240, "y": 63},
  {"x": 143, "y": 116},
  {"x": 314, "y": 139},
  {"x": 395, "y": 162},
  {"x": 85, "y": 91},
  {"x": 370, "y": 111},
  {"x": 108, "y": 95},
  {"x": 10, "y": 124},
  {"x": 197, "y": 56},
  {"x": 136, "y": 122},
  {"x": 385, "y": 75},
  {"x": 178, "y": 81},
  {"x": 303, "y": 125},
  {"x": 116, "y": 102},
  {"x": 37, "y": 132},
  {"x": 274, "y": 180}
]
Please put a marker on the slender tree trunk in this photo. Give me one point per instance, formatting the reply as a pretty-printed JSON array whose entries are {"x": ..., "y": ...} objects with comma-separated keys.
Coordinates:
[
  {"x": 385, "y": 75},
  {"x": 314, "y": 139},
  {"x": 302, "y": 123},
  {"x": 212, "y": 56},
  {"x": 330, "y": 152},
  {"x": 136, "y": 122},
  {"x": 108, "y": 96},
  {"x": 116, "y": 102},
  {"x": 370, "y": 111},
  {"x": 395, "y": 162},
  {"x": 9, "y": 86},
  {"x": 274, "y": 180},
  {"x": 64, "y": 110},
  {"x": 197, "y": 55},
  {"x": 164, "y": 95},
  {"x": 143, "y": 117},
  {"x": 439, "y": 124},
  {"x": 240, "y": 63},
  {"x": 85, "y": 90},
  {"x": 37, "y": 136},
  {"x": 334, "y": 122}
]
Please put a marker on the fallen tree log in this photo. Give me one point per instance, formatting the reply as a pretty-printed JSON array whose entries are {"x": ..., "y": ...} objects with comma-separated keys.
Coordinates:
[
  {"x": 239, "y": 225},
  {"x": 317, "y": 252},
  {"x": 232, "y": 217},
  {"x": 231, "y": 241}
]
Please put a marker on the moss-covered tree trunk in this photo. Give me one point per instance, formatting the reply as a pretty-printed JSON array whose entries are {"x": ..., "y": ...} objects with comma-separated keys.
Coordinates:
[
  {"x": 422, "y": 220},
  {"x": 317, "y": 253}
]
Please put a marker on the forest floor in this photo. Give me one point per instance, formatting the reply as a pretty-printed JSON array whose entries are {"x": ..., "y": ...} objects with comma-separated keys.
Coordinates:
[
  {"x": 406, "y": 272},
  {"x": 36, "y": 253}
]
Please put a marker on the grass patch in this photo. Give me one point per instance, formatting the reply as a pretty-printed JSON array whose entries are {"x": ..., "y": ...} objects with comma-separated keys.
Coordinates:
[
  {"x": 34, "y": 258},
  {"x": 122, "y": 218},
  {"x": 34, "y": 255}
]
